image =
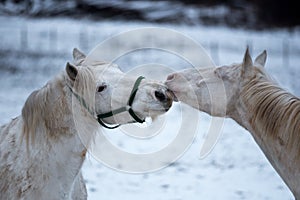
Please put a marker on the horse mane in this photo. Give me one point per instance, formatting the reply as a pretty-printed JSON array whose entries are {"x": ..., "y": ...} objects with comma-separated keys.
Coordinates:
[
  {"x": 85, "y": 86},
  {"x": 45, "y": 109},
  {"x": 84, "y": 113},
  {"x": 33, "y": 112},
  {"x": 275, "y": 112}
]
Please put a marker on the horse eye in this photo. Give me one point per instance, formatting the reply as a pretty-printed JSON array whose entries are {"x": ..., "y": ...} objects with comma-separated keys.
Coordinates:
[{"x": 101, "y": 88}]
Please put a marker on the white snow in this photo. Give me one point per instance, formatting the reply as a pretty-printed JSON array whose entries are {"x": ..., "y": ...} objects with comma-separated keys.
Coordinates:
[{"x": 235, "y": 168}]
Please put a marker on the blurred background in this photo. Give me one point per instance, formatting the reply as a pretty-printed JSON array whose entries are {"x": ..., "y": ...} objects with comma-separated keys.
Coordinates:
[
  {"x": 36, "y": 41},
  {"x": 257, "y": 14}
]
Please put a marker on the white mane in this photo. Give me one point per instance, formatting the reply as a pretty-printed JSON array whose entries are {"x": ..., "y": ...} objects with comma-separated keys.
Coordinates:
[{"x": 276, "y": 112}]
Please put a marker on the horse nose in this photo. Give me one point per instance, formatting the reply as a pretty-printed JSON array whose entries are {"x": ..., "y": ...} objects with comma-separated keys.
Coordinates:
[
  {"x": 165, "y": 96},
  {"x": 171, "y": 77},
  {"x": 160, "y": 95}
]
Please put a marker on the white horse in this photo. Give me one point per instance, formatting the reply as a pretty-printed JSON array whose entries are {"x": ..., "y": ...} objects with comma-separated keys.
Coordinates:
[
  {"x": 269, "y": 113},
  {"x": 41, "y": 154}
]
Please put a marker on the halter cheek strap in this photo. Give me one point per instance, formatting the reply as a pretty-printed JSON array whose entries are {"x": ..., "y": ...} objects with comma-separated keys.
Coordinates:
[
  {"x": 125, "y": 108},
  {"x": 116, "y": 111}
]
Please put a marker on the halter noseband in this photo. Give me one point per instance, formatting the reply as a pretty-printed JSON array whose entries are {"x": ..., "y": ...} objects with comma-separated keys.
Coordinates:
[
  {"x": 125, "y": 108},
  {"x": 118, "y": 110}
]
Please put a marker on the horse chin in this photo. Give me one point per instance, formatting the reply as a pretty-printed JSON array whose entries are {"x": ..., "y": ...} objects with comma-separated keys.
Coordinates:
[
  {"x": 174, "y": 96},
  {"x": 153, "y": 114}
]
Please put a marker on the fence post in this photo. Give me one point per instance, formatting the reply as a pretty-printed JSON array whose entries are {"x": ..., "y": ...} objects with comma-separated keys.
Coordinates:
[
  {"x": 24, "y": 37},
  {"x": 83, "y": 39},
  {"x": 285, "y": 53},
  {"x": 214, "y": 52},
  {"x": 52, "y": 39}
]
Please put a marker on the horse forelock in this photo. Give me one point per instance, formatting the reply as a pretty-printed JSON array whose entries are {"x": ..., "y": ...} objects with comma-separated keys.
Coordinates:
[
  {"x": 84, "y": 116},
  {"x": 275, "y": 112}
]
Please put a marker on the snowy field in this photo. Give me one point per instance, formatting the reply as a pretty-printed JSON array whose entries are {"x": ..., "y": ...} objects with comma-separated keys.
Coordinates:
[{"x": 33, "y": 51}]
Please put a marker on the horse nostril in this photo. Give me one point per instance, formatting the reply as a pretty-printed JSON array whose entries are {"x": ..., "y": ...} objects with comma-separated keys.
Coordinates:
[
  {"x": 160, "y": 96},
  {"x": 170, "y": 77}
]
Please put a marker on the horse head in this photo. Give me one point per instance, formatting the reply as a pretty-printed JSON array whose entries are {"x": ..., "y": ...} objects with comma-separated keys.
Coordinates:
[
  {"x": 215, "y": 90},
  {"x": 116, "y": 97}
]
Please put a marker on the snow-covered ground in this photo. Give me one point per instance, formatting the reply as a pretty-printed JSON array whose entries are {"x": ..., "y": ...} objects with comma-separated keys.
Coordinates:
[{"x": 32, "y": 51}]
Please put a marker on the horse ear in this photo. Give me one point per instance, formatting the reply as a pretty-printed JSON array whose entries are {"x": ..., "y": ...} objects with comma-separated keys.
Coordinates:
[
  {"x": 260, "y": 60},
  {"x": 247, "y": 61},
  {"x": 71, "y": 71},
  {"x": 78, "y": 55}
]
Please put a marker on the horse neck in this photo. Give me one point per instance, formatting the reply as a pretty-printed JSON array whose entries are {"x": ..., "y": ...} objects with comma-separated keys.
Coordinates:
[
  {"x": 272, "y": 116},
  {"x": 267, "y": 110},
  {"x": 58, "y": 116}
]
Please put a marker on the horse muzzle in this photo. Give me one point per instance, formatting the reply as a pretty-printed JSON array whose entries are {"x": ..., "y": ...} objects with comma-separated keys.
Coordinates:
[{"x": 165, "y": 97}]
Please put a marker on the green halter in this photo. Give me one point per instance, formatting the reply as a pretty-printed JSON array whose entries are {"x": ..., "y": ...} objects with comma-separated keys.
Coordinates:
[{"x": 118, "y": 110}]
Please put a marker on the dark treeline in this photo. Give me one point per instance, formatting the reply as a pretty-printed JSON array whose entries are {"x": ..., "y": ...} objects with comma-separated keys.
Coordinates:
[
  {"x": 267, "y": 12},
  {"x": 255, "y": 14}
]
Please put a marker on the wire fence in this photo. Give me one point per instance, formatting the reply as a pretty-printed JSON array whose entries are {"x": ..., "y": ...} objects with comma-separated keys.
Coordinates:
[{"x": 60, "y": 42}]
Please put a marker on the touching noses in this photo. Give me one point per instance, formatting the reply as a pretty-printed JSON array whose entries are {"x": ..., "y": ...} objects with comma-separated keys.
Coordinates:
[
  {"x": 160, "y": 95},
  {"x": 171, "y": 84},
  {"x": 164, "y": 95}
]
